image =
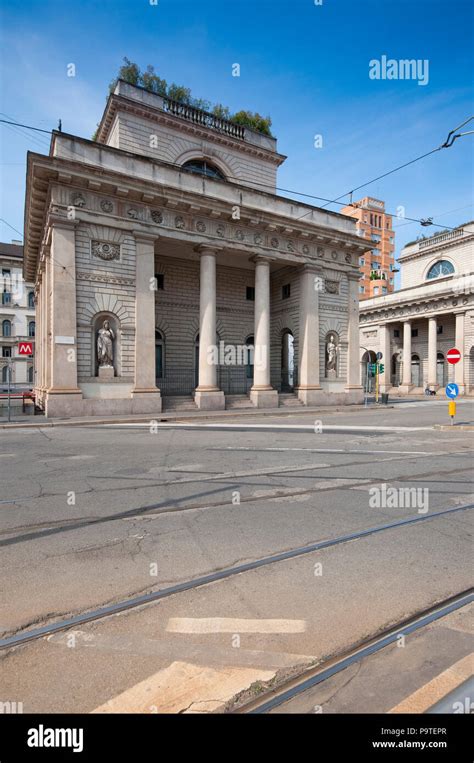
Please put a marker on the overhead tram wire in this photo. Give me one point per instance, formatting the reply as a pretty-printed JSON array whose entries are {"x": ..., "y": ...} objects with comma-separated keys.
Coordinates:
[{"x": 452, "y": 135}]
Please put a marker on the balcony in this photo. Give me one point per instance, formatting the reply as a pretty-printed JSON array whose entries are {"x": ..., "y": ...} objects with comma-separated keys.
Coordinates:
[{"x": 203, "y": 118}]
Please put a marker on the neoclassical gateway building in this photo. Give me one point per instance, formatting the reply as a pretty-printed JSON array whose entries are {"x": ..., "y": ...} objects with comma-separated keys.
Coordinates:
[
  {"x": 433, "y": 312},
  {"x": 161, "y": 253}
]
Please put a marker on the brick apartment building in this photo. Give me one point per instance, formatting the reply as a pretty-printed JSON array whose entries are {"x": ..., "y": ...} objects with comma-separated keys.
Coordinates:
[{"x": 377, "y": 264}]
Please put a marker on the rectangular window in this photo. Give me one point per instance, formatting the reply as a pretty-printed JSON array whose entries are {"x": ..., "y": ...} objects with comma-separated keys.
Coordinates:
[
  {"x": 362, "y": 289},
  {"x": 6, "y": 271},
  {"x": 361, "y": 261},
  {"x": 396, "y": 333},
  {"x": 160, "y": 280},
  {"x": 250, "y": 293},
  {"x": 285, "y": 291},
  {"x": 439, "y": 330},
  {"x": 371, "y": 219},
  {"x": 6, "y": 298},
  {"x": 414, "y": 332},
  {"x": 6, "y": 352},
  {"x": 376, "y": 290},
  {"x": 384, "y": 289}
]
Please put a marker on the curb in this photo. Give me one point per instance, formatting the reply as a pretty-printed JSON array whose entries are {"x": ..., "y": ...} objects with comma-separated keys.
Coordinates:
[{"x": 190, "y": 415}]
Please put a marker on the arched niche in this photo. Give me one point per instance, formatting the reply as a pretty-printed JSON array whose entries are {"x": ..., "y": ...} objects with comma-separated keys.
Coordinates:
[{"x": 114, "y": 323}]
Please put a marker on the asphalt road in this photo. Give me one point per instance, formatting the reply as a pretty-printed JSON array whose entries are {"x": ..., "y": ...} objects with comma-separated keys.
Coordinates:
[{"x": 93, "y": 515}]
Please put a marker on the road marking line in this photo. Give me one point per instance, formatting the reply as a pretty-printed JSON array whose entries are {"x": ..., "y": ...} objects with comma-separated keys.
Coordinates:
[
  {"x": 335, "y": 450},
  {"x": 298, "y": 427},
  {"x": 433, "y": 691},
  {"x": 233, "y": 625},
  {"x": 185, "y": 688}
]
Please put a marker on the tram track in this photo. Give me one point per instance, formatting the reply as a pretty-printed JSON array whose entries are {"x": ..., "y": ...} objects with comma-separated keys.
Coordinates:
[
  {"x": 24, "y": 636},
  {"x": 306, "y": 680},
  {"x": 175, "y": 505}
]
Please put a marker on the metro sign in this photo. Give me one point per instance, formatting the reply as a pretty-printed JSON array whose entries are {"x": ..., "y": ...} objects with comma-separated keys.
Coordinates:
[
  {"x": 25, "y": 348},
  {"x": 453, "y": 356}
]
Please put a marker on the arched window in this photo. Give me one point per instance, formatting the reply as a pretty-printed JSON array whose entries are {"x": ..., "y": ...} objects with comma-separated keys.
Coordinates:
[
  {"x": 159, "y": 355},
  {"x": 201, "y": 167},
  {"x": 31, "y": 299},
  {"x": 250, "y": 342},
  {"x": 5, "y": 374},
  {"x": 7, "y": 328},
  {"x": 31, "y": 328},
  {"x": 440, "y": 268}
]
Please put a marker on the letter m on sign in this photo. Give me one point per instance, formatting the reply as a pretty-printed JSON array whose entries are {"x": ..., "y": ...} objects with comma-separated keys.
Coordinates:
[{"x": 25, "y": 348}]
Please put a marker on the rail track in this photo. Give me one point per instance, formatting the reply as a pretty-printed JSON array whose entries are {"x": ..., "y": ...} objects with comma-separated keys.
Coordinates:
[
  {"x": 306, "y": 680},
  {"x": 20, "y": 638}
]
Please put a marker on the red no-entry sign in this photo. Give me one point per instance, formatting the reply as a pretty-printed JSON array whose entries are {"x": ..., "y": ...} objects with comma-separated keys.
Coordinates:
[
  {"x": 453, "y": 356},
  {"x": 25, "y": 348}
]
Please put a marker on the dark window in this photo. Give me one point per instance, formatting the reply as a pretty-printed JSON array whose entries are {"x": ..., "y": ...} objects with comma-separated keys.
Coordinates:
[
  {"x": 285, "y": 291},
  {"x": 31, "y": 328},
  {"x": 31, "y": 299},
  {"x": 250, "y": 293},
  {"x": 439, "y": 330},
  {"x": 6, "y": 352},
  {"x": 201, "y": 167},
  {"x": 396, "y": 333},
  {"x": 414, "y": 332},
  {"x": 6, "y": 298},
  {"x": 6, "y": 328},
  {"x": 160, "y": 280},
  {"x": 6, "y": 271}
]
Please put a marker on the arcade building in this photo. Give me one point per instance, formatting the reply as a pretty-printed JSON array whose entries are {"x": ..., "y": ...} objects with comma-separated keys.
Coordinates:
[{"x": 163, "y": 239}]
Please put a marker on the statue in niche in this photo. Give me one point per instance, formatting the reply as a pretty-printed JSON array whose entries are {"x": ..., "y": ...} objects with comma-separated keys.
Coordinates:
[
  {"x": 331, "y": 356},
  {"x": 105, "y": 346}
]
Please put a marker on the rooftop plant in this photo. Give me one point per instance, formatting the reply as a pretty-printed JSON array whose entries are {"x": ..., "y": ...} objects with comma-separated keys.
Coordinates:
[{"x": 130, "y": 72}]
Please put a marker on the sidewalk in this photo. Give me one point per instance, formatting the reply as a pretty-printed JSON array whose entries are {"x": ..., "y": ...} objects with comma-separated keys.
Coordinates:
[{"x": 41, "y": 421}]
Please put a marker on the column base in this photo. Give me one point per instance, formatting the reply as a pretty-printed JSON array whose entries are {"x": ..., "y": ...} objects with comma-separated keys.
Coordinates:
[
  {"x": 462, "y": 388},
  {"x": 209, "y": 399},
  {"x": 62, "y": 403},
  {"x": 149, "y": 400},
  {"x": 406, "y": 388},
  {"x": 310, "y": 395},
  {"x": 264, "y": 398}
]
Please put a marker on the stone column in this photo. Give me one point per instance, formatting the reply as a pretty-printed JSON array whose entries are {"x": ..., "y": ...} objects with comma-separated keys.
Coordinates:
[
  {"x": 47, "y": 344},
  {"x": 353, "y": 386},
  {"x": 309, "y": 387},
  {"x": 432, "y": 353},
  {"x": 38, "y": 339},
  {"x": 459, "y": 344},
  {"x": 262, "y": 393},
  {"x": 384, "y": 345},
  {"x": 63, "y": 397},
  {"x": 145, "y": 388},
  {"x": 207, "y": 395},
  {"x": 406, "y": 384}
]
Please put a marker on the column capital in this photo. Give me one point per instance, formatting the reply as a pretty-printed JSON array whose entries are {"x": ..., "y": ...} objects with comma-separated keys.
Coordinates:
[
  {"x": 262, "y": 259},
  {"x": 55, "y": 220},
  {"x": 353, "y": 275},
  {"x": 144, "y": 237},
  {"x": 310, "y": 267},
  {"x": 208, "y": 249}
]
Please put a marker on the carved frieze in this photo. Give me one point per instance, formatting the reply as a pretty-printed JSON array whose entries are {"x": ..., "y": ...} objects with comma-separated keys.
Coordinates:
[
  {"x": 105, "y": 250},
  {"x": 106, "y": 206},
  {"x": 78, "y": 200},
  {"x": 157, "y": 216}
]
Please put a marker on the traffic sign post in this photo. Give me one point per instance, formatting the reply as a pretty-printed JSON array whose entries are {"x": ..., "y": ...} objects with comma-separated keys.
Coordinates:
[
  {"x": 452, "y": 410},
  {"x": 452, "y": 390},
  {"x": 453, "y": 356}
]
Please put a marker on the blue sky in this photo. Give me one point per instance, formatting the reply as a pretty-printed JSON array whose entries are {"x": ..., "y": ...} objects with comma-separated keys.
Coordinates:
[{"x": 305, "y": 65}]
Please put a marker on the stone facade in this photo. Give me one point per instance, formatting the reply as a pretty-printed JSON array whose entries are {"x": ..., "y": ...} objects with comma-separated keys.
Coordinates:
[
  {"x": 17, "y": 317},
  {"x": 179, "y": 259},
  {"x": 433, "y": 312}
]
